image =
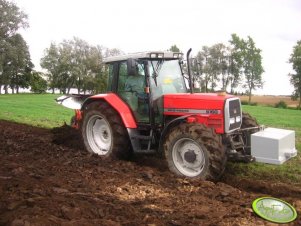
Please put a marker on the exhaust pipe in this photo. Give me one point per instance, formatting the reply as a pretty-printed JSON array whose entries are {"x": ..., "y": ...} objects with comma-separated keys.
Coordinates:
[{"x": 189, "y": 73}]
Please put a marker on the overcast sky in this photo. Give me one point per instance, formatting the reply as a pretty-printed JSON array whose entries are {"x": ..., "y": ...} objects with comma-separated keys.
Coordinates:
[{"x": 135, "y": 26}]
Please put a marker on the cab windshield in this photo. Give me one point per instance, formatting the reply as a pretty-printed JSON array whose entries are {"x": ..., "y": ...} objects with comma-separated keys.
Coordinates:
[{"x": 166, "y": 77}]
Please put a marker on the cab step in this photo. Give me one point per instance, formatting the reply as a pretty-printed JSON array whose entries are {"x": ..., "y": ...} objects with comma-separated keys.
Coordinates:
[
  {"x": 141, "y": 137},
  {"x": 146, "y": 151}
]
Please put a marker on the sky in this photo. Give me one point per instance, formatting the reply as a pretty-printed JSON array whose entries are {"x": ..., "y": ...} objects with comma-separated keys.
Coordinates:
[{"x": 136, "y": 26}]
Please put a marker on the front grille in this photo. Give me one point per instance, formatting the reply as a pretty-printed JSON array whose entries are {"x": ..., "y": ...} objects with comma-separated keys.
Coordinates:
[
  {"x": 232, "y": 114},
  {"x": 235, "y": 112}
]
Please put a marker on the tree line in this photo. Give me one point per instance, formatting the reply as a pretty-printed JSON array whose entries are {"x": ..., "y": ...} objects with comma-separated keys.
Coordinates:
[
  {"x": 229, "y": 66},
  {"x": 77, "y": 64}
]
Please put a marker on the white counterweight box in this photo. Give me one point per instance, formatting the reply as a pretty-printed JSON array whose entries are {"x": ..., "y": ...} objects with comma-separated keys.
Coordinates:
[{"x": 273, "y": 146}]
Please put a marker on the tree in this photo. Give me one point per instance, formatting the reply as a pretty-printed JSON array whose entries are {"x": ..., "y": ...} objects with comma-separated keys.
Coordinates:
[
  {"x": 218, "y": 65},
  {"x": 75, "y": 63},
  {"x": 106, "y": 52},
  {"x": 16, "y": 64},
  {"x": 235, "y": 62},
  {"x": 197, "y": 72},
  {"x": 50, "y": 61},
  {"x": 295, "y": 78},
  {"x": 37, "y": 83},
  {"x": 174, "y": 49},
  {"x": 252, "y": 67},
  {"x": 67, "y": 66},
  {"x": 11, "y": 19},
  {"x": 212, "y": 63},
  {"x": 251, "y": 62},
  {"x": 97, "y": 70},
  {"x": 21, "y": 64},
  {"x": 202, "y": 68},
  {"x": 214, "y": 67}
]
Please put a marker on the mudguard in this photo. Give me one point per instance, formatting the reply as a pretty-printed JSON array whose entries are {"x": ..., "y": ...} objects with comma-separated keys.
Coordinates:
[
  {"x": 118, "y": 104},
  {"x": 170, "y": 125},
  {"x": 78, "y": 102}
]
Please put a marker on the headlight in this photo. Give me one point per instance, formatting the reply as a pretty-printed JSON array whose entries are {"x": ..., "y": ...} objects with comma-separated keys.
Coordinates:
[
  {"x": 238, "y": 118},
  {"x": 232, "y": 120}
]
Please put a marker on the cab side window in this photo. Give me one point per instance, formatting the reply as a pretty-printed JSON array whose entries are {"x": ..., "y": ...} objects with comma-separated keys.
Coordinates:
[
  {"x": 131, "y": 89},
  {"x": 109, "y": 70},
  {"x": 122, "y": 77}
]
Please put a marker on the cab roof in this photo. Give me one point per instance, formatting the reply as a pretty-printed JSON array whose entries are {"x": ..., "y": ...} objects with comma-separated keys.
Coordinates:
[{"x": 145, "y": 55}]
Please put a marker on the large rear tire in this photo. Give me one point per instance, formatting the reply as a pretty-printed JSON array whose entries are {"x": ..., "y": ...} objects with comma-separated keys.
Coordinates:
[
  {"x": 195, "y": 151},
  {"x": 103, "y": 131}
]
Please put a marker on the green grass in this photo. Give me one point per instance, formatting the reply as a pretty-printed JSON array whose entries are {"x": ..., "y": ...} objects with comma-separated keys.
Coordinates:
[
  {"x": 290, "y": 171},
  {"x": 39, "y": 110},
  {"x": 42, "y": 111}
]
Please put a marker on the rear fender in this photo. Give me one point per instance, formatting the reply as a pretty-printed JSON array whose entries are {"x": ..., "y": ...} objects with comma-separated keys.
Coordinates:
[{"x": 118, "y": 104}]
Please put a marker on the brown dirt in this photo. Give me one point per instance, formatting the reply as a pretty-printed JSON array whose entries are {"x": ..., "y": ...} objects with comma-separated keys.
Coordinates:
[{"x": 46, "y": 178}]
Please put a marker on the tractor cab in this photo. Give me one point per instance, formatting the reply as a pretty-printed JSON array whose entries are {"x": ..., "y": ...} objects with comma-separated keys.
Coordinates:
[{"x": 142, "y": 79}]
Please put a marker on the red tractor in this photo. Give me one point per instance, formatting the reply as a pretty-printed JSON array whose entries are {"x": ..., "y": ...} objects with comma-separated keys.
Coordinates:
[{"x": 149, "y": 107}]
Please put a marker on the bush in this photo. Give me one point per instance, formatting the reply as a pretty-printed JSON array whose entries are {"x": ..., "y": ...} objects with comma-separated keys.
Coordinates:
[
  {"x": 281, "y": 104},
  {"x": 37, "y": 83}
]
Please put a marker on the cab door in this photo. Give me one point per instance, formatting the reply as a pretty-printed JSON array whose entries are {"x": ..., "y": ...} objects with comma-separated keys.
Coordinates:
[{"x": 131, "y": 88}]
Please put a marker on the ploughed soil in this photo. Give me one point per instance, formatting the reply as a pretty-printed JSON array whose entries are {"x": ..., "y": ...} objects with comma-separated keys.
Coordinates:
[{"x": 47, "y": 178}]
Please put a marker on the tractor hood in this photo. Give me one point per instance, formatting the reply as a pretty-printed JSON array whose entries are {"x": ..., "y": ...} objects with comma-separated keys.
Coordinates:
[
  {"x": 221, "y": 112},
  {"x": 194, "y": 103}
]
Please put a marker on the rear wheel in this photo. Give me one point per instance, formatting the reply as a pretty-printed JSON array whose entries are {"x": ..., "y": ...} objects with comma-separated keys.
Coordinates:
[
  {"x": 103, "y": 131},
  {"x": 196, "y": 151}
]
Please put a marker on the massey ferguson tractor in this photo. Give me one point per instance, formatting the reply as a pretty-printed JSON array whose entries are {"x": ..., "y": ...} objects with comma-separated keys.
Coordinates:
[{"x": 150, "y": 107}]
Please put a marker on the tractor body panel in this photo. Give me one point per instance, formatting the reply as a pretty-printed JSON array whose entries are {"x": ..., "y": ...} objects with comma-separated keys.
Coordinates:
[{"x": 209, "y": 109}]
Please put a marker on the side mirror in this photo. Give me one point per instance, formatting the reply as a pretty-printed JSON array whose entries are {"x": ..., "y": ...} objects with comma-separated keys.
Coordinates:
[{"x": 132, "y": 67}]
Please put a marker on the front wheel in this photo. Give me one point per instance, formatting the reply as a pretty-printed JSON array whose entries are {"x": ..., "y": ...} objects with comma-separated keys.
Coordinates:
[
  {"x": 196, "y": 151},
  {"x": 248, "y": 122},
  {"x": 103, "y": 131}
]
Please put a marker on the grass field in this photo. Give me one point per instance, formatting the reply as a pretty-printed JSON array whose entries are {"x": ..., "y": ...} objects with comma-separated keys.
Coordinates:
[
  {"x": 43, "y": 111},
  {"x": 37, "y": 110}
]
